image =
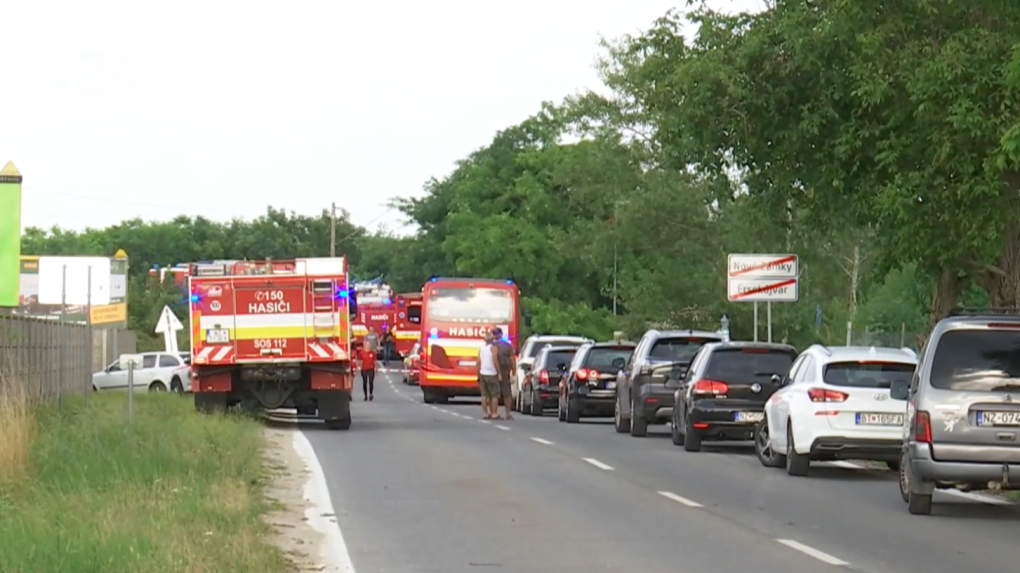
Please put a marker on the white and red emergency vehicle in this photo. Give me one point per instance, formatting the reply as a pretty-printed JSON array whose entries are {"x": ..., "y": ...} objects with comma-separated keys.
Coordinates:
[{"x": 273, "y": 334}]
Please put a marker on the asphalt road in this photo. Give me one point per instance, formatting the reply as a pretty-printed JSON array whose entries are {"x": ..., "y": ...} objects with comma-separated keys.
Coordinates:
[{"x": 422, "y": 489}]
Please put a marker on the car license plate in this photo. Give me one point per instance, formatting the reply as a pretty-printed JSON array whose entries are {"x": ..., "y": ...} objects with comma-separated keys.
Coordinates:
[
  {"x": 217, "y": 336},
  {"x": 610, "y": 385},
  {"x": 877, "y": 419},
  {"x": 749, "y": 416},
  {"x": 468, "y": 363},
  {"x": 998, "y": 418}
]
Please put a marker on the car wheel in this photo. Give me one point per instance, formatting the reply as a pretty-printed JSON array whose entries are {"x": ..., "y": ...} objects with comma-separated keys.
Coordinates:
[
  {"x": 638, "y": 426},
  {"x": 573, "y": 413},
  {"x": 692, "y": 439},
  {"x": 674, "y": 432},
  {"x": 157, "y": 387},
  {"x": 767, "y": 454},
  {"x": 621, "y": 424},
  {"x": 796, "y": 464},
  {"x": 536, "y": 404},
  {"x": 176, "y": 386},
  {"x": 904, "y": 478}
]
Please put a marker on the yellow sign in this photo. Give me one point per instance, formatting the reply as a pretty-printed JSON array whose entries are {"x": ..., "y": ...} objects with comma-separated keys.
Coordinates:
[{"x": 109, "y": 314}]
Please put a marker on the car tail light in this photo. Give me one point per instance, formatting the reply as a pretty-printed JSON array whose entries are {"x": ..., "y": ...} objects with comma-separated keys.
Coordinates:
[
  {"x": 823, "y": 395},
  {"x": 710, "y": 388},
  {"x": 543, "y": 376},
  {"x": 582, "y": 374},
  {"x": 922, "y": 427}
]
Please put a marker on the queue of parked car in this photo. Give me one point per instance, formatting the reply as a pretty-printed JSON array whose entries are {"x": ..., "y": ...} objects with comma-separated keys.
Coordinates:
[{"x": 947, "y": 419}]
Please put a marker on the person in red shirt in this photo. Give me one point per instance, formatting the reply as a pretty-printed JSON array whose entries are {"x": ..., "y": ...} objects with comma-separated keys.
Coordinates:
[{"x": 368, "y": 372}]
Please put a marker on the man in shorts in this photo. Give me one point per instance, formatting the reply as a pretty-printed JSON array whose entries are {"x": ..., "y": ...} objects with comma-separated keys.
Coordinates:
[
  {"x": 506, "y": 363},
  {"x": 488, "y": 379}
]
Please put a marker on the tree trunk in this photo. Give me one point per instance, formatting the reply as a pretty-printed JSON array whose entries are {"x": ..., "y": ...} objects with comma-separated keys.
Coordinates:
[
  {"x": 855, "y": 274},
  {"x": 948, "y": 288},
  {"x": 1002, "y": 282}
]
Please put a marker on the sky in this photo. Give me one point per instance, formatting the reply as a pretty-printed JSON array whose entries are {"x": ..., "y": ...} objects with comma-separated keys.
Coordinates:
[{"x": 113, "y": 109}]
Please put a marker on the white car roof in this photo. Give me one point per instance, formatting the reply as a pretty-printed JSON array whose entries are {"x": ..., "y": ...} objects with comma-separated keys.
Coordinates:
[{"x": 831, "y": 354}]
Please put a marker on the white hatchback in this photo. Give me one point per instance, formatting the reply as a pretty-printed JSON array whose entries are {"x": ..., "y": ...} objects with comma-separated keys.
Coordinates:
[{"x": 834, "y": 404}]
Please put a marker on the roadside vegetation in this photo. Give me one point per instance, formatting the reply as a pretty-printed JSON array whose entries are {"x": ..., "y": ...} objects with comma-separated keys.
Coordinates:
[{"x": 83, "y": 491}]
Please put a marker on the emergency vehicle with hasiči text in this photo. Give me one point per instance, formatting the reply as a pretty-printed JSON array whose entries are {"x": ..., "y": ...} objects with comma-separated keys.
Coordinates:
[
  {"x": 408, "y": 325},
  {"x": 273, "y": 334},
  {"x": 456, "y": 314}
]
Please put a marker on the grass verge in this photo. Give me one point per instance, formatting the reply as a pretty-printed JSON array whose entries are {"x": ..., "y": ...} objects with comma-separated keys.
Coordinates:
[{"x": 83, "y": 491}]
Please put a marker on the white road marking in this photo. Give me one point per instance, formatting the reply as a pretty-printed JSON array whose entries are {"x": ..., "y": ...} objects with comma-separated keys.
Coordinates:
[
  {"x": 812, "y": 552},
  {"x": 598, "y": 464},
  {"x": 976, "y": 496},
  {"x": 333, "y": 553},
  {"x": 502, "y": 427},
  {"x": 485, "y": 421},
  {"x": 679, "y": 499},
  {"x": 542, "y": 441}
]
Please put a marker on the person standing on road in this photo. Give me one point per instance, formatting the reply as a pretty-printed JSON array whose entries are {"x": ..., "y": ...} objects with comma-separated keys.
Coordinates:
[
  {"x": 506, "y": 363},
  {"x": 372, "y": 339},
  {"x": 368, "y": 372},
  {"x": 488, "y": 379}
]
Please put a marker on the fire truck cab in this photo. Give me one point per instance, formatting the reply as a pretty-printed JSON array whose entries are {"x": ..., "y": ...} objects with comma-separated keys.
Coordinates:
[{"x": 273, "y": 334}]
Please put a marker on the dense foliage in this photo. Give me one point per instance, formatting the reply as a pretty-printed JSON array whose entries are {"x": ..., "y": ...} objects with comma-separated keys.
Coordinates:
[{"x": 881, "y": 143}]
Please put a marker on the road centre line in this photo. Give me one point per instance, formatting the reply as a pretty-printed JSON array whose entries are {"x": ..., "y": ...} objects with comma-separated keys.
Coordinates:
[
  {"x": 502, "y": 427},
  {"x": 542, "y": 441},
  {"x": 679, "y": 499},
  {"x": 812, "y": 552},
  {"x": 598, "y": 464}
]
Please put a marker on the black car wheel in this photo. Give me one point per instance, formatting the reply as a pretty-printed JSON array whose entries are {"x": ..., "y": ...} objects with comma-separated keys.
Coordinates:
[
  {"x": 692, "y": 439},
  {"x": 674, "y": 432},
  {"x": 763, "y": 448},
  {"x": 621, "y": 424},
  {"x": 536, "y": 404},
  {"x": 904, "y": 479},
  {"x": 796, "y": 464},
  {"x": 573, "y": 411}
]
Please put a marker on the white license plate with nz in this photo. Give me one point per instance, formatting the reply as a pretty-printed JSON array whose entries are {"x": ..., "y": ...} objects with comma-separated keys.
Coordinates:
[
  {"x": 749, "y": 416},
  {"x": 998, "y": 418}
]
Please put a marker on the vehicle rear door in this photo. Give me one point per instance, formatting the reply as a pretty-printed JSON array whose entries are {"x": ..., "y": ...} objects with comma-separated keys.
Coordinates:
[
  {"x": 973, "y": 398},
  {"x": 751, "y": 374},
  {"x": 865, "y": 385},
  {"x": 270, "y": 319}
]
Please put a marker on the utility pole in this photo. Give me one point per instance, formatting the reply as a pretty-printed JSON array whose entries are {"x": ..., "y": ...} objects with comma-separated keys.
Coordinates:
[
  {"x": 616, "y": 244},
  {"x": 614, "y": 279},
  {"x": 332, "y": 231}
]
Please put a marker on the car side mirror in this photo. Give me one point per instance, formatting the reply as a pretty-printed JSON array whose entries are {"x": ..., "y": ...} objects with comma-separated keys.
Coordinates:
[
  {"x": 525, "y": 367},
  {"x": 671, "y": 382},
  {"x": 562, "y": 367},
  {"x": 619, "y": 363},
  {"x": 777, "y": 379},
  {"x": 899, "y": 390}
]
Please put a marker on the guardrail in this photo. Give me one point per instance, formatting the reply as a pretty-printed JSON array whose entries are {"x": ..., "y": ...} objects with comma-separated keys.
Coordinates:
[{"x": 44, "y": 359}]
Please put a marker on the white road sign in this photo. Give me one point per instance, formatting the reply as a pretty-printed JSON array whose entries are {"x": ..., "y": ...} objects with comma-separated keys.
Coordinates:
[
  {"x": 134, "y": 360},
  {"x": 762, "y": 266},
  {"x": 762, "y": 278},
  {"x": 762, "y": 290}
]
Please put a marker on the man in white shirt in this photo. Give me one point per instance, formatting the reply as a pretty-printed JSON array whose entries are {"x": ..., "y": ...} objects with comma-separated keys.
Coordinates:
[{"x": 488, "y": 379}]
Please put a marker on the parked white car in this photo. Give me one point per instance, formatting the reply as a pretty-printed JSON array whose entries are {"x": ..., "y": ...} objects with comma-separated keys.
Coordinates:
[
  {"x": 160, "y": 372},
  {"x": 526, "y": 358},
  {"x": 834, "y": 404}
]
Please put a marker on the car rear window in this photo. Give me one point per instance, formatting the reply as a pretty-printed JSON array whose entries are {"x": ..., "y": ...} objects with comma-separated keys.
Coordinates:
[
  {"x": 602, "y": 358},
  {"x": 538, "y": 346},
  {"x": 977, "y": 361},
  {"x": 728, "y": 363},
  {"x": 867, "y": 374},
  {"x": 558, "y": 357},
  {"x": 680, "y": 349}
]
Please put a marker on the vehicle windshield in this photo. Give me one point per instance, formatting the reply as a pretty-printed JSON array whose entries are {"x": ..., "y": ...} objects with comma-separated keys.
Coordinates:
[
  {"x": 480, "y": 305},
  {"x": 602, "y": 358},
  {"x": 414, "y": 314},
  {"x": 737, "y": 363},
  {"x": 680, "y": 349},
  {"x": 557, "y": 357},
  {"x": 538, "y": 346},
  {"x": 977, "y": 361},
  {"x": 867, "y": 374}
]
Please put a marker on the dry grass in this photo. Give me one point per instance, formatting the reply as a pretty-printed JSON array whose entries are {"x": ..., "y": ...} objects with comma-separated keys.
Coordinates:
[
  {"x": 17, "y": 430},
  {"x": 174, "y": 492}
]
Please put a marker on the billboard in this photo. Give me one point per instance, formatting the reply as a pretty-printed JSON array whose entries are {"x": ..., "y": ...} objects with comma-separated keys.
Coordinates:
[
  {"x": 42, "y": 287},
  {"x": 10, "y": 234}
]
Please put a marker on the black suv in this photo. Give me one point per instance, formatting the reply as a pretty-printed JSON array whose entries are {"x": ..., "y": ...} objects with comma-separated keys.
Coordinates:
[
  {"x": 643, "y": 393},
  {"x": 542, "y": 379},
  {"x": 589, "y": 387},
  {"x": 723, "y": 394}
]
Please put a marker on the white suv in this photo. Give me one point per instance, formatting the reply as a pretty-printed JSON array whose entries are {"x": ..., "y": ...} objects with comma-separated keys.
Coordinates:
[
  {"x": 530, "y": 349},
  {"x": 834, "y": 404}
]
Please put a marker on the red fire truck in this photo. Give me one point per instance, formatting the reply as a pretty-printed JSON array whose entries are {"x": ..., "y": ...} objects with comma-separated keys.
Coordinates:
[
  {"x": 456, "y": 313},
  {"x": 408, "y": 322},
  {"x": 375, "y": 310},
  {"x": 273, "y": 334}
]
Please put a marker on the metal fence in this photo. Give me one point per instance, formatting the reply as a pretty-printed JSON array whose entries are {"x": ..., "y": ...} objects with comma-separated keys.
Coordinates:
[{"x": 44, "y": 359}]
